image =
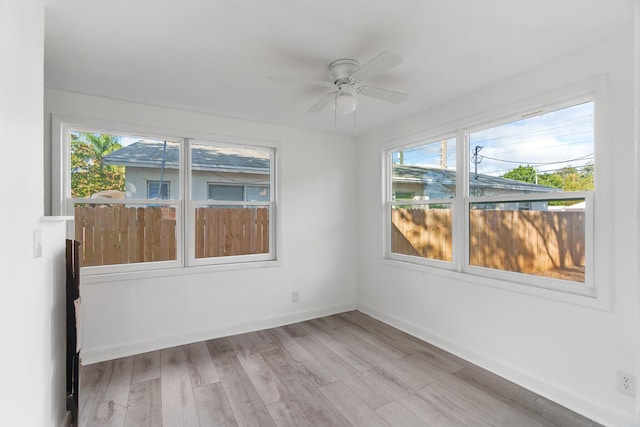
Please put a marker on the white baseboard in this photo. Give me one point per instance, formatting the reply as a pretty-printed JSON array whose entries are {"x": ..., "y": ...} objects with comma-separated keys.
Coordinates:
[
  {"x": 568, "y": 398},
  {"x": 95, "y": 355}
]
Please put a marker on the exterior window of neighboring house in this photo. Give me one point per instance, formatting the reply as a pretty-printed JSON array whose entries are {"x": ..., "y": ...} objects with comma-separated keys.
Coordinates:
[
  {"x": 137, "y": 207},
  {"x": 226, "y": 192},
  {"x": 257, "y": 193},
  {"x": 520, "y": 209},
  {"x": 238, "y": 192},
  {"x": 157, "y": 191}
]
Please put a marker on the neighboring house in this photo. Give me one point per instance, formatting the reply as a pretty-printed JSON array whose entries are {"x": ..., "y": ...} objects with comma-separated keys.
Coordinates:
[
  {"x": 425, "y": 183},
  {"x": 218, "y": 173}
]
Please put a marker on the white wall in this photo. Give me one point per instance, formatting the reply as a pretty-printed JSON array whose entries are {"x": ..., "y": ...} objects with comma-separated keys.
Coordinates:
[
  {"x": 636, "y": 114},
  {"x": 316, "y": 244},
  {"x": 32, "y": 367},
  {"x": 567, "y": 352}
]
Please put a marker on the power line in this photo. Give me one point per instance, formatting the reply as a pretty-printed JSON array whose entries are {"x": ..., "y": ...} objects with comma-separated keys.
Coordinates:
[
  {"x": 543, "y": 172},
  {"x": 562, "y": 124},
  {"x": 585, "y": 157}
]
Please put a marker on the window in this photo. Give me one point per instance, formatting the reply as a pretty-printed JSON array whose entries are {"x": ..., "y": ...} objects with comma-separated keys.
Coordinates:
[
  {"x": 138, "y": 207},
  {"x": 423, "y": 186},
  {"x": 231, "y": 220},
  {"x": 238, "y": 192},
  {"x": 158, "y": 190},
  {"x": 520, "y": 209},
  {"x": 547, "y": 158},
  {"x": 257, "y": 193},
  {"x": 112, "y": 179},
  {"x": 226, "y": 192}
]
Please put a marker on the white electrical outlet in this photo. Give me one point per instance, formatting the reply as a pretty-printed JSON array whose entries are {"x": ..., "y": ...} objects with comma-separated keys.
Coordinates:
[
  {"x": 295, "y": 296},
  {"x": 626, "y": 383}
]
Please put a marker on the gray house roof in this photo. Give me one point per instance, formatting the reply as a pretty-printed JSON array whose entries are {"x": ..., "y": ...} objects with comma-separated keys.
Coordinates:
[
  {"x": 150, "y": 154},
  {"x": 447, "y": 178}
]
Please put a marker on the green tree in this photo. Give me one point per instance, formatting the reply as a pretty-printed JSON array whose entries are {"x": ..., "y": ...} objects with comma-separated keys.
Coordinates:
[
  {"x": 577, "y": 180},
  {"x": 89, "y": 174},
  {"x": 550, "y": 180},
  {"x": 522, "y": 173},
  {"x": 568, "y": 178}
]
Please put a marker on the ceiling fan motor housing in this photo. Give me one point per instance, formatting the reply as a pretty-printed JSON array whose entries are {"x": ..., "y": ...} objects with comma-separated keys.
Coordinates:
[{"x": 341, "y": 69}]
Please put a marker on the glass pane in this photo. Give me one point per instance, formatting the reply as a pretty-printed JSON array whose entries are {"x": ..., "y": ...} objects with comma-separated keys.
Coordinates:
[
  {"x": 425, "y": 172},
  {"x": 423, "y": 231},
  {"x": 547, "y": 153},
  {"x": 227, "y": 173},
  {"x": 123, "y": 167},
  {"x": 122, "y": 234},
  {"x": 258, "y": 193},
  {"x": 546, "y": 238},
  {"x": 226, "y": 192},
  {"x": 228, "y": 231},
  {"x": 158, "y": 190}
]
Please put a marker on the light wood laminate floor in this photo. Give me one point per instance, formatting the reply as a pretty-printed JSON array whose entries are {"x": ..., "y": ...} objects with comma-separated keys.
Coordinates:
[{"x": 341, "y": 370}]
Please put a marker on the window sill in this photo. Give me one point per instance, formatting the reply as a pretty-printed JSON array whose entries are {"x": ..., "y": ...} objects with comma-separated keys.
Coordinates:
[
  {"x": 89, "y": 279},
  {"x": 601, "y": 301},
  {"x": 56, "y": 218}
]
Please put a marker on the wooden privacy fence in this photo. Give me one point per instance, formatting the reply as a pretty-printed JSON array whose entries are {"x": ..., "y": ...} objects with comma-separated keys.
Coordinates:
[
  {"x": 422, "y": 232},
  {"x": 237, "y": 231},
  {"x": 546, "y": 243},
  {"x": 122, "y": 235},
  {"x": 118, "y": 234}
]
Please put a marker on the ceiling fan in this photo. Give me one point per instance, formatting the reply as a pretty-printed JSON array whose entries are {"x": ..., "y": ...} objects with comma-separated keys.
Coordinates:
[{"x": 346, "y": 76}]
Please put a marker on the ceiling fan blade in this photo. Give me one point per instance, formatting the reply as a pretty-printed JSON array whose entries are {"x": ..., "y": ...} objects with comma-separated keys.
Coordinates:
[
  {"x": 287, "y": 79},
  {"x": 322, "y": 103},
  {"x": 377, "y": 65},
  {"x": 383, "y": 94}
]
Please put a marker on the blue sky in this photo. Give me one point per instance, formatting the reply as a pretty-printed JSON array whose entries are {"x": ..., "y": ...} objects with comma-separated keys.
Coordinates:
[
  {"x": 548, "y": 142},
  {"x": 128, "y": 140}
]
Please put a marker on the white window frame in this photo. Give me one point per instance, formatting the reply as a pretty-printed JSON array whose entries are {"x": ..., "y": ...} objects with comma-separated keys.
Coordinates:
[
  {"x": 62, "y": 204},
  {"x": 390, "y": 203},
  {"x": 596, "y": 291},
  {"x": 192, "y": 204}
]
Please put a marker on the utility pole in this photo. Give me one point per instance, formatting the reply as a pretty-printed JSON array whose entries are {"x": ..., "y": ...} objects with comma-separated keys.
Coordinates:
[
  {"x": 476, "y": 159},
  {"x": 401, "y": 157},
  {"x": 443, "y": 154}
]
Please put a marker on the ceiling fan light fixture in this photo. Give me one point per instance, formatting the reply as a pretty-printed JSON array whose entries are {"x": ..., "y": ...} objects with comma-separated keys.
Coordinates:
[{"x": 346, "y": 103}]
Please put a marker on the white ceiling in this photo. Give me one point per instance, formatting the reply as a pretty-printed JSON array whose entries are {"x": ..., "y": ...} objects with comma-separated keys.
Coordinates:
[{"x": 215, "y": 56}]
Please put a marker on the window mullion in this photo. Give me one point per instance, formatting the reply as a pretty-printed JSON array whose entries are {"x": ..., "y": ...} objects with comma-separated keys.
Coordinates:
[
  {"x": 460, "y": 248},
  {"x": 187, "y": 226}
]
